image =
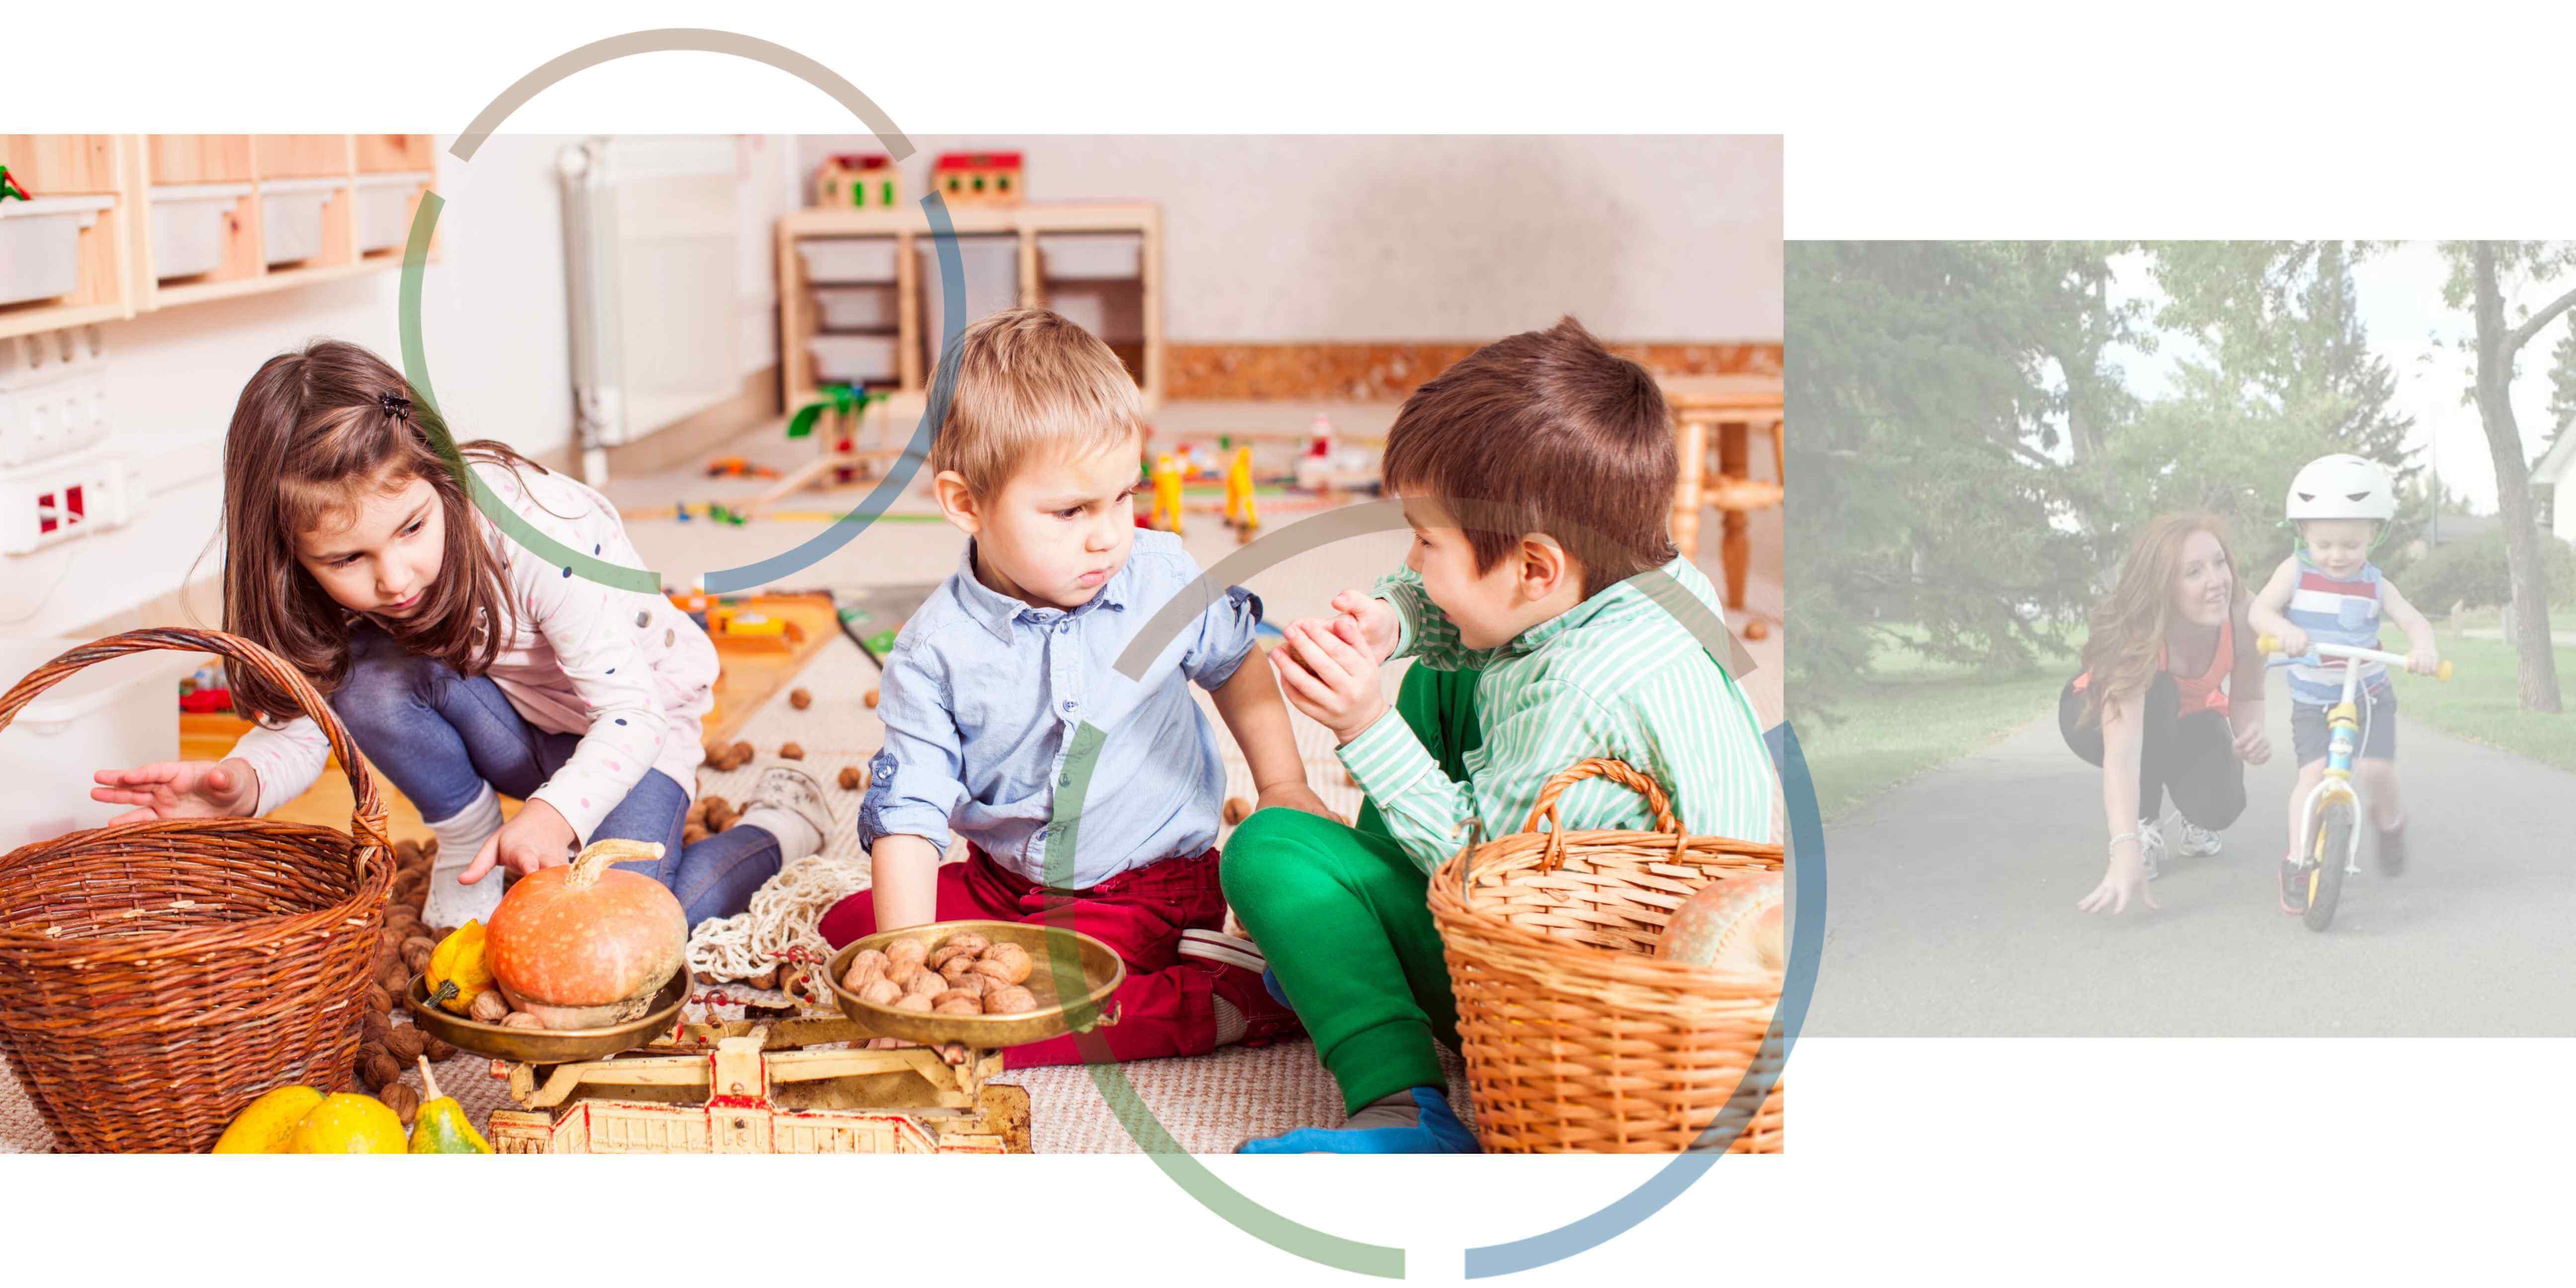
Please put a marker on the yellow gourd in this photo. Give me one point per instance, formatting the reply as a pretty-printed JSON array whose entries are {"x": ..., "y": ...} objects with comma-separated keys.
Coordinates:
[
  {"x": 267, "y": 1126},
  {"x": 457, "y": 973},
  {"x": 349, "y": 1123},
  {"x": 441, "y": 1126}
]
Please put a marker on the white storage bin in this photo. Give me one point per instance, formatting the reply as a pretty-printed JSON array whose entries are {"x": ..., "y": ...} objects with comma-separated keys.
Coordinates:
[
  {"x": 290, "y": 217},
  {"x": 40, "y": 245},
  {"x": 191, "y": 224},
  {"x": 384, "y": 208},
  {"x": 856, "y": 308},
  {"x": 1091, "y": 257},
  {"x": 847, "y": 259},
  {"x": 991, "y": 269},
  {"x": 114, "y": 715},
  {"x": 853, "y": 359}
]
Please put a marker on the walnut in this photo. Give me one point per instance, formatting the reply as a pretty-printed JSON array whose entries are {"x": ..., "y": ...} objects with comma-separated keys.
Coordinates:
[
  {"x": 1010, "y": 999},
  {"x": 521, "y": 1020},
  {"x": 406, "y": 1044},
  {"x": 799, "y": 699},
  {"x": 882, "y": 992},
  {"x": 914, "y": 1002},
  {"x": 1237, "y": 809},
  {"x": 851, "y": 779},
  {"x": 791, "y": 751},
  {"x": 1006, "y": 963},
  {"x": 872, "y": 699},
  {"x": 489, "y": 1007},
  {"x": 400, "y": 1098}
]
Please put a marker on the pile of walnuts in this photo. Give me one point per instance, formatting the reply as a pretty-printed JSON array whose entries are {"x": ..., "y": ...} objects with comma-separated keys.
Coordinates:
[
  {"x": 967, "y": 974},
  {"x": 388, "y": 1043},
  {"x": 725, "y": 758}
]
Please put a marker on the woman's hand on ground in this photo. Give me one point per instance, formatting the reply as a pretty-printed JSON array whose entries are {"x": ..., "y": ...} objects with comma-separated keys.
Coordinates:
[
  {"x": 2126, "y": 878},
  {"x": 1297, "y": 795},
  {"x": 1325, "y": 675},
  {"x": 538, "y": 837},
  {"x": 178, "y": 789},
  {"x": 2251, "y": 746}
]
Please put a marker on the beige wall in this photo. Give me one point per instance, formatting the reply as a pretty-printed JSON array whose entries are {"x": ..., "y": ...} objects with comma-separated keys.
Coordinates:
[{"x": 1398, "y": 238}]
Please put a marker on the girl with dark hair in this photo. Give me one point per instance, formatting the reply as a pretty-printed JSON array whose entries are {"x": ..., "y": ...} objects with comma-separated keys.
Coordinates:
[{"x": 465, "y": 665}]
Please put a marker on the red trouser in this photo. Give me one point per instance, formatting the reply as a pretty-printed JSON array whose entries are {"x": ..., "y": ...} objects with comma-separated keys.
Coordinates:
[{"x": 1166, "y": 1006}]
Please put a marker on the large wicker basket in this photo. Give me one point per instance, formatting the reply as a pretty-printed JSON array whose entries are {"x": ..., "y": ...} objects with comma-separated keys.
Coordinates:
[
  {"x": 155, "y": 977},
  {"x": 1578, "y": 1039}
]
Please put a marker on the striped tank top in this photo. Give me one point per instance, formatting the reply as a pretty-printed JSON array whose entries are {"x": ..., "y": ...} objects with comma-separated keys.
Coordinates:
[{"x": 2334, "y": 611}]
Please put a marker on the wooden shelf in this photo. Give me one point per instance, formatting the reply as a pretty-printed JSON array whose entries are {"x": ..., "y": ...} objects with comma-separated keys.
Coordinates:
[
  {"x": 118, "y": 279},
  {"x": 799, "y": 322}
]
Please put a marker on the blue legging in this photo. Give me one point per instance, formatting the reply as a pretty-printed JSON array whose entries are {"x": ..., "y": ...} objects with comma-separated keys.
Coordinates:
[{"x": 440, "y": 737}]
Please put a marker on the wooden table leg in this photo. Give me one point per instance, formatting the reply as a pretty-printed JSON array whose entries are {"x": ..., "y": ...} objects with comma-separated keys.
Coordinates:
[
  {"x": 1690, "y": 436},
  {"x": 1735, "y": 547}
]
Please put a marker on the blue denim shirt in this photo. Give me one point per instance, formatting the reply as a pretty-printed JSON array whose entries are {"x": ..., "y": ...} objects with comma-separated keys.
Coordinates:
[{"x": 982, "y": 696}]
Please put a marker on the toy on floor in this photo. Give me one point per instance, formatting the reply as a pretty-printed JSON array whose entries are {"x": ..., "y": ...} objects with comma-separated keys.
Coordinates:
[
  {"x": 1238, "y": 493},
  {"x": 1167, "y": 493},
  {"x": 842, "y": 456},
  {"x": 9, "y": 186},
  {"x": 738, "y": 467},
  {"x": 857, "y": 180},
  {"x": 743, "y": 626},
  {"x": 712, "y": 512}
]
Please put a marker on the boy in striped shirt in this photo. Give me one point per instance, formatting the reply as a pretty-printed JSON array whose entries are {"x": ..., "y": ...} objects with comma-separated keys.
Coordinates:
[
  {"x": 1539, "y": 640},
  {"x": 2329, "y": 592}
]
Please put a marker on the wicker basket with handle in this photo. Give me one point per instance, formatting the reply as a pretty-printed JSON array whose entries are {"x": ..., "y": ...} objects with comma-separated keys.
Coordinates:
[
  {"x": 1578, "y": 1039},
  {"x": 156, "y": 977}
]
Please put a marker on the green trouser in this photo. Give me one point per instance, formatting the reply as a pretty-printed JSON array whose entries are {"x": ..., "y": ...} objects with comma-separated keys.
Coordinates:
[{"x": 1343, "y": 915}]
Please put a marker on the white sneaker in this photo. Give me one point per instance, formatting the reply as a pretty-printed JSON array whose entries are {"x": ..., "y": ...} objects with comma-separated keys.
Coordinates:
[
  {"x": 450, "y": 902},
  {"x": 2197, "y": 842},
  {"x": 2151, "y": 847},
  {"x": 785, "y": 787},
  {"x": 1218, "y": 946}
]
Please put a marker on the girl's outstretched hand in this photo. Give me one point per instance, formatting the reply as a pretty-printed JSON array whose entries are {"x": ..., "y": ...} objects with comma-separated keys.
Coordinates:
[
  {"x": 179, "y": 789},
  {"x": 537, "y": 837},
  {"x": 2125, "y": 879}
]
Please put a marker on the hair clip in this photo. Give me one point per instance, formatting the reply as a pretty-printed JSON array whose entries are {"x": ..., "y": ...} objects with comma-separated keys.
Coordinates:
[{"x": 394, "y": 405}]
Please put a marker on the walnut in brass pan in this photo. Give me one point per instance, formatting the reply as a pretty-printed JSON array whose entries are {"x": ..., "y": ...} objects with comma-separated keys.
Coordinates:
[{"x": 1053, "y": 1015}]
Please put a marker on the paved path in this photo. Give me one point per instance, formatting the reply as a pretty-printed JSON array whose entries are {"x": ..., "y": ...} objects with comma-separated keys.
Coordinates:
[{"x": 1952, "y": 909}]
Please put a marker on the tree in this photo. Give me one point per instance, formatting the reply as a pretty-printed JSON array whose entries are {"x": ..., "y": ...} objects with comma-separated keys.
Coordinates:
[
  {"x": 1951, "y": 397},
  {"x": 2482, "y": 273}
]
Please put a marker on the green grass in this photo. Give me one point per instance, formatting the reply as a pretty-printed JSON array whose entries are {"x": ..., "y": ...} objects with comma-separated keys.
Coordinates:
[
  {"x": 1917, "y": 715},
  {"x": 2482, "y": 700}
]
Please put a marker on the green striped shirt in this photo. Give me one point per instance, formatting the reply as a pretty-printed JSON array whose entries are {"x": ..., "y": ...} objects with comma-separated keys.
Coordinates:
[{"x": 1618, "y": 676}]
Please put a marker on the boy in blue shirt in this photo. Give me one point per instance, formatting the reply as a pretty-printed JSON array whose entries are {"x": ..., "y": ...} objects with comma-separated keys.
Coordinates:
[{"x": 988, "y": 684}]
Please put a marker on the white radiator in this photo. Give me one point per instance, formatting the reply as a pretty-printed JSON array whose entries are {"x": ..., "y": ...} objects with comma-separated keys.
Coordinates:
[{"x": 653, "y": 247}]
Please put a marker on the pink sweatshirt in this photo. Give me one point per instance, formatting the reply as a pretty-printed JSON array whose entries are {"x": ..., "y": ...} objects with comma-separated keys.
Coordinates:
[{"x": 626, "y": 670}]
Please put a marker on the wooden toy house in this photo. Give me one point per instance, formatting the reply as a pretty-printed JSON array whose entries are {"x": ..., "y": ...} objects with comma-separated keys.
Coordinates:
[
  {"x": 978, "y": 178},
  {"x": 857, "y": 181}
]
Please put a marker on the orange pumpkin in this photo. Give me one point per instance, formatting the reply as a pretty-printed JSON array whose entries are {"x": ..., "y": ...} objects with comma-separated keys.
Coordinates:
[
  {"x": 585, "y": 944},
  {"x": 1733, "y": 924}
]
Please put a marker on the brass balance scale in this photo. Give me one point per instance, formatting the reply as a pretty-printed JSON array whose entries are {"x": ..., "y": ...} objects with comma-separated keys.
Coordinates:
[{"x": 802, "y": 1085}]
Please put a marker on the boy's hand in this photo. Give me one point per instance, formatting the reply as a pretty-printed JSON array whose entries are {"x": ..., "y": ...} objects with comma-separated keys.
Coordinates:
[
  {"x": 1299, "y": 796},
  {"x": 538, "y": 837},
  {"x": 1377, "y": 623},
  {"x": 2423, "y": 659},
  {"x": 2294, "y": 642},
  {"x": 1324, "y": 673},
  {"x": 179, "y": 789}
]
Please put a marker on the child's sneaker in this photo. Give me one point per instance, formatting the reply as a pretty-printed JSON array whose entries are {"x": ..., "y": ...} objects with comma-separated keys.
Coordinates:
[
  {"x": 1427, "y": 1126},
  {"x": 2392, "y": 849},
  {"x": 2294, "y": 886},
  {"x": 1240, "y": 988},
  {"x": 786, "y": 802},
  {"x": 2197, "y": 842}
]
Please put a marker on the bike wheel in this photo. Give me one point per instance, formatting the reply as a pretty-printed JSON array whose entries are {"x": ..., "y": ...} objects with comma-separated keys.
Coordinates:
[{"x": 2335, "y": 819}]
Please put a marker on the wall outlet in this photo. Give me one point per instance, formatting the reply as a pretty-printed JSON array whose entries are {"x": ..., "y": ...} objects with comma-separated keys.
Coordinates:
[
  {"x": 53, "y": 395},
  {"x": 57, "y": 500}
]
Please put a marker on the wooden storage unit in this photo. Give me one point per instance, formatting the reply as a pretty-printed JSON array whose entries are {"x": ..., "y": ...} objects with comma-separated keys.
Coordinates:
[
  {"x": 801, "y": 317},
  {"x": 86, "y": 165},
  {"x": 119, "y": 276}
]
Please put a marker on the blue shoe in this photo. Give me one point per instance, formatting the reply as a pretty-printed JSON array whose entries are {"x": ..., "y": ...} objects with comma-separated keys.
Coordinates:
[
  {"x": 1439, "y": 1132},
  {"x": 1270, "y": 985}
]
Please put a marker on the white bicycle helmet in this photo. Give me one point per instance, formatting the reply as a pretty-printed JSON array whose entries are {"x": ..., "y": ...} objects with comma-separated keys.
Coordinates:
[{"x": 2342, "y": 486}]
